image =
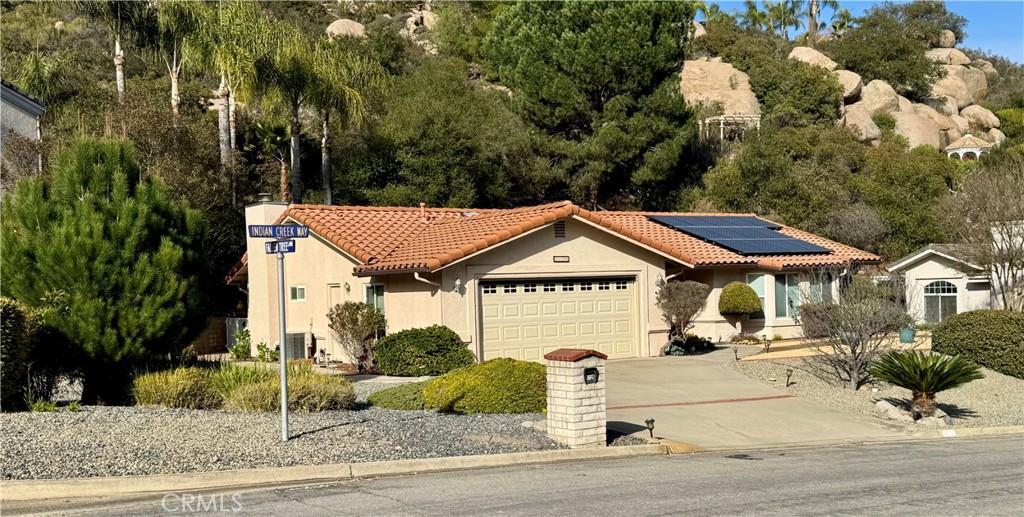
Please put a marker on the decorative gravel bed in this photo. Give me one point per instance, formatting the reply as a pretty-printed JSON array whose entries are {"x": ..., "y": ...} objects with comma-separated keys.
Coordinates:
[
  {"x": 996, "y": 400},
  {"x": 117, "y": 441}
]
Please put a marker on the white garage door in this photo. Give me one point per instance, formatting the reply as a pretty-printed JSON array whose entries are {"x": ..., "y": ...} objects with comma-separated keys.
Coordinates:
[{"x": 526, "y": 319}]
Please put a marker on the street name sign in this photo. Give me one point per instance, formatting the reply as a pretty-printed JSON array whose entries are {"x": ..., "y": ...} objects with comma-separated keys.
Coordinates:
[
  {"x": 287, "y": 246},
  {"x": 278, "y": 231}
]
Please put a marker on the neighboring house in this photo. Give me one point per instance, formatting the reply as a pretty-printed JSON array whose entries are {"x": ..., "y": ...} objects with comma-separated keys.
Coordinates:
[
  {"x": 521, "y": 282},
  {"x": 944, "y": 279},
  {"x": 19, "y": 113}
]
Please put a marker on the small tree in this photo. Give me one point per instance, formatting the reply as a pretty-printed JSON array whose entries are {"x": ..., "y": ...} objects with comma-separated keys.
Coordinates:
[
  {"x": 738, "y": 299},
  {"x": 854, "y": 329},
  {"x": 924, "y": 374},
  {"x": 679, "y": 303},
  {"x": 355, "y": 327}
]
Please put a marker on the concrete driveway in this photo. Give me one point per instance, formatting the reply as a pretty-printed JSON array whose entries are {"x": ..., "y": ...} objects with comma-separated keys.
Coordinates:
[{"x": 704, "y": 401}]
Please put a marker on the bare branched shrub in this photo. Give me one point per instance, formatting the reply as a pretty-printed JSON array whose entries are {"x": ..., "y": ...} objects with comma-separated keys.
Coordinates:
[
  {"x": 356, "y": 326},
  {"x": 858, "y": 225},
  {"x": 679, "y": 303}
]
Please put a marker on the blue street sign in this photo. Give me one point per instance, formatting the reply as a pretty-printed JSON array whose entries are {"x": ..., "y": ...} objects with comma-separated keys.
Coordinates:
[
  {"x": 280, "y": 247},
  {"x": 278, "y": 231}
]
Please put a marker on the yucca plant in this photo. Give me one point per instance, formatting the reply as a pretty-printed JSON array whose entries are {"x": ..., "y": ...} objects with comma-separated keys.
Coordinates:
[{"x": 924, "y": 374}]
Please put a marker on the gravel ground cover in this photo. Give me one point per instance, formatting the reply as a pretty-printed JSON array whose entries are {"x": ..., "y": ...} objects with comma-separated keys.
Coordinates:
[
  {"x": 117, "y": 441},
  {"x": 996, "y": 400}
]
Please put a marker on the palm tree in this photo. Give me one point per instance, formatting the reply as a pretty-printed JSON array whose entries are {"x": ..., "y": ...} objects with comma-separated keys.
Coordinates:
[
  {"x": 752, "y": 17},
  {"x": 924, "y": 375},
  {"x": 783, "y": 15},
  {"x": 178, "y": 22},
  {"x": 813, "y": 12},
  {"x": 124, "y": 19},
  {"x": 842, "y": 21},
  {"x": 711, "y": 12}
]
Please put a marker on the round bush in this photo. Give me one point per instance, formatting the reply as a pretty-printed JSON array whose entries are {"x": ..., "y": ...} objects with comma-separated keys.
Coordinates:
[
  {"x": 434, "y": 350},
  {"x": 406, "y": 397},
  {"x": 187, "y": 388},
  {"x": 993, "y": 339},
  {"x": 495, "y": 386},
  {"x": 738, "y": 298}
]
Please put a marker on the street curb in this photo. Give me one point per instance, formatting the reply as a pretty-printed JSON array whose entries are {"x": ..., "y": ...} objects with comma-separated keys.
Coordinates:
[{"x": 126, "y": 486}]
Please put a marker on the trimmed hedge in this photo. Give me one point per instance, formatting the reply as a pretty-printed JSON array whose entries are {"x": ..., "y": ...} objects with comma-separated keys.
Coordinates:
[
  {"x": 993, "y": 339},
  {"x": 407, "y": 397},
  {"x": 434, "y": 350},
  {"x": 738, "y": 298},
  {"x": 495, "y": 386}
]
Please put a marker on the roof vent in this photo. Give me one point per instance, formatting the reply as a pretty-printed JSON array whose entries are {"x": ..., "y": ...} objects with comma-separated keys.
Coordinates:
[
  {"x": 559, "y": 229},
  {"x": 264, "y": 197}
]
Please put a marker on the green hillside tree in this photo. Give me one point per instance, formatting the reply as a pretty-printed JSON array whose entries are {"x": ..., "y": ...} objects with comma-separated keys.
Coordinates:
[{"x": 115, "y": 259}]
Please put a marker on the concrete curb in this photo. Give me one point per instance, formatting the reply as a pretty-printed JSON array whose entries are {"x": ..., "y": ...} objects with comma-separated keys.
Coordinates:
[{"x": 129, "y": 486}]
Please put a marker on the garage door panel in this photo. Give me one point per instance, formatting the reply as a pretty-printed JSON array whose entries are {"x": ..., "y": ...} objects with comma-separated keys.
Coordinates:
[{"x": 535, "y": 317}]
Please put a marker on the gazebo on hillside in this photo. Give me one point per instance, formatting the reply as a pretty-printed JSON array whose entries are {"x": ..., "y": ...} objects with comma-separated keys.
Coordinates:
[{"x": 968, "y": 147}]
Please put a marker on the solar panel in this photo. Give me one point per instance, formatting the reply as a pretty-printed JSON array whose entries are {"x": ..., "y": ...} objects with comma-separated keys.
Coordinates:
[{"x": 742, "y": 234}]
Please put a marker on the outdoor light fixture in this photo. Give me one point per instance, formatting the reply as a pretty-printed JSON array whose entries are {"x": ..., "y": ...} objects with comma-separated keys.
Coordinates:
[
  {"x": 767, "y": 344},
  {"x": 789, "y": 373},
  {"x": 735, "y": 354},
  {"x": 650, "y": 426},
  {"x": 590, "y": 375}
]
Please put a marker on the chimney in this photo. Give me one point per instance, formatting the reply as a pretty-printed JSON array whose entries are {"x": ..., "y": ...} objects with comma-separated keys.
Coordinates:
[{"x": 264, "y": 197}]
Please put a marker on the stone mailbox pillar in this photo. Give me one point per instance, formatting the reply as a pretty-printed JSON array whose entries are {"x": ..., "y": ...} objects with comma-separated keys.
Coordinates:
[{"x": 576, "y": 397}]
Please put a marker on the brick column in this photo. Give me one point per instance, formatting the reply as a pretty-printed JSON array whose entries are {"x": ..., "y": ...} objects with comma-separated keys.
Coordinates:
[{"x": 576, "y": 409}]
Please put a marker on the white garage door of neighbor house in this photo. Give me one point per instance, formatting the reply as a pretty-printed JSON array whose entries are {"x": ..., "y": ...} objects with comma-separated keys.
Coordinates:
[{"x": 525, "y": 319}]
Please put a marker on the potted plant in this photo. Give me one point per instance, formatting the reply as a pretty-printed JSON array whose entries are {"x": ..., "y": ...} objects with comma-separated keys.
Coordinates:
[
  {"x": 908, "y": 333},
  {"x": 737, "y": 300}
]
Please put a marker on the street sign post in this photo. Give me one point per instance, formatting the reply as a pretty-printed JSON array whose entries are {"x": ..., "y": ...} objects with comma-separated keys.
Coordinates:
[{"x": 283, "y": 233}]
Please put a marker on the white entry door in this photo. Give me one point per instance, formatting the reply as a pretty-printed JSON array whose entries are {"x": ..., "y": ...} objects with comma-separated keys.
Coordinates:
[{"x": 525, "y": 319}]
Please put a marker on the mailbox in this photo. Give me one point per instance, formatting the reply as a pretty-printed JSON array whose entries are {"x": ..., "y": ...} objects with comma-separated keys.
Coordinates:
[{"x": 591, "y": 375}]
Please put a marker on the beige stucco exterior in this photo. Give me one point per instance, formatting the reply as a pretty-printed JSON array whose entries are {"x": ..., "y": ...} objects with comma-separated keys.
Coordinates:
[
  {"x": 973, "y": 290},
  {"x": 451, "y": 297}
]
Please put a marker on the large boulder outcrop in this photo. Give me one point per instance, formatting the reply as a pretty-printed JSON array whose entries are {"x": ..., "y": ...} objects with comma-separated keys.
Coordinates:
[
  {"x": 961, "y": 123},
  {"x": 904, "y": 103},
  {"x": 917, "y": 129},
  {"x": 812, "y": 57},
  {"x": 857, "y": 119},
  {"x": 947, "y": 56},
  {"x": 943, "y": 121},
  {"x": 953, "y": 86},
  {"x": 949, "y": 136},
  {"x": 346, "y": 27},
  {"x": 996, "y": 136},
  {"x": 851, "y": 83},
  {"x": 947, "y": 39},
  {"x": 974, "y": 80},
  {"x": 697, "y": 30},
  {"x": 704, "y": 82},
  {"x": 979, "y": 117},
  {"x": 878, "y": 97},
  {"x": 944, "y": 104},
  {"x": 990, "y": 71}
]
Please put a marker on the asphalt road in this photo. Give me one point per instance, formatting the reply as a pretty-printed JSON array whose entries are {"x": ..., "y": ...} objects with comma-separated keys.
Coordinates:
[{"x": 951, "y": 477}]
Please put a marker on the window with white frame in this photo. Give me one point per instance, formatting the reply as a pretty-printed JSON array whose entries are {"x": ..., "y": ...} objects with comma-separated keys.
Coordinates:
[
  {"x": 568, "y": 287},
  {"x": 297, "y": 293},
  {"x": 490, "y": 288},
  {"x": 549, "y": 287},
  {"x": 821, "y": 287},
  {"x": 586, "y": 286},
  {"x": 756, "y": 282},
  {"x": 373, "y": 295},
  {"x": 939, "y": 301},
  {"x": 604, "y": 285},
  {"x": 529, "y": 288},
  {"x": 509, "y": 289}
]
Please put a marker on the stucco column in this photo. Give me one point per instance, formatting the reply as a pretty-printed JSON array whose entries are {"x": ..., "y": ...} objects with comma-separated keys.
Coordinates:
[{"x": 577, "y": 404}]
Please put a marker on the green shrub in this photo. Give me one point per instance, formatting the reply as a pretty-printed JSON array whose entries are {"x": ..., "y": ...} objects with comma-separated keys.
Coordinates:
[
  {"x": 262, "y": 396},
  {"x": 316, "y": 392},
  {"x": 884, "y": 121},
  {"x": 188, "y": 388},
  {"x": 817, "y": 319},
  {"x": 434, "y": 350},
  {"x": 993, "y": 339},
  {"x": 265, "y": 355},
  {"x": 44, "y": 406},
  {"x": 230, "y": 377},
  {"x": 15, "y": 349},
  {"x": 690, "y": 345},
  {"x": 74, "y": 407},
  {"x": 924, "y": 374},
  {"x": 242, "y": 349},
  {"x": 407, "y": 397},
  {"x": 738, "y": 298},
  {"x": 495, "y": 386}
]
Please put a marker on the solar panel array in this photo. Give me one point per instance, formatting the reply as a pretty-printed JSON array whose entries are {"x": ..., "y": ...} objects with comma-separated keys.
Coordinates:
[{"x": 742, "y": 234}]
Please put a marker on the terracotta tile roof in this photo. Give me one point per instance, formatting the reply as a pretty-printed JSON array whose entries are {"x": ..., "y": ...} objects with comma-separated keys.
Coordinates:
[{"x": 395, "y": 240}]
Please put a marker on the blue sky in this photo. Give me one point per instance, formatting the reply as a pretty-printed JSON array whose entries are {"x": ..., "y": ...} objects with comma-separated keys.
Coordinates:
[{"x": 994, "y": 25}]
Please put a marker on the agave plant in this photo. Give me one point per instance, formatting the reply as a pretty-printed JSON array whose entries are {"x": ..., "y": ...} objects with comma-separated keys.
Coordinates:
[{"x": 924, "y": 374}]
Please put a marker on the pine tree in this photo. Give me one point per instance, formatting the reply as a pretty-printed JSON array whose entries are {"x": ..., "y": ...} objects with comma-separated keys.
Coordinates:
[{"x": 107, "y": 250}]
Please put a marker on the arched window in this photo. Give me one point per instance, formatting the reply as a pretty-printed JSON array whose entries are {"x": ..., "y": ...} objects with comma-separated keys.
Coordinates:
[{"x": 939, "y": 301}]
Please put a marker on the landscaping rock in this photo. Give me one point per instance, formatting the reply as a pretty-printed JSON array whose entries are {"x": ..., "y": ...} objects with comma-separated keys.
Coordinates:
[
  {"x": 947, "y": 38},
  {"x": 990, "y": 71},
  {"x": 947, "y": 56},
  {"x": 917, "y": 129},
  {"x": 812, "y": 57},
  {"x": 346, "y": 27},
  {"x": 944, "y": 104},
  {"x": 704, "y": 82},
  {"x": 980, "y": 117},
  {"x": 888, "y": 411},
  {"x": 931, "y": 422},
  {"x": 857, "y": 119},
  {"x": 953, "y": 86},
  {"x": 878, "y": 97},
  {"x": 851, "y": 83}
]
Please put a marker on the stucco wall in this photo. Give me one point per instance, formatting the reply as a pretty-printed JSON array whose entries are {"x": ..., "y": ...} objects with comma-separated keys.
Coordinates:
[
  {"x": 971, "y": 294},
  {"x": 13, "y": 118}
]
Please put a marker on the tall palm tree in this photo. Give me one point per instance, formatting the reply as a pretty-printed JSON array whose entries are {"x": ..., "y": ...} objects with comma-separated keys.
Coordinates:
[
  {"x": 842, "y": 21},
  {"x": 814, "y": 24},
  {"x": 178, "y": 22},
  {"x": 125, "y": 19},
  {"x": 752, "y": 17},
  {"x": 711, "y": 12},
  {"x": 783, "y": 15}
]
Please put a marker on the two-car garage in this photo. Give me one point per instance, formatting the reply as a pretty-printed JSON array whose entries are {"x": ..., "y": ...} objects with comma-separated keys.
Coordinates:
[{"x": 526, "y": 318}]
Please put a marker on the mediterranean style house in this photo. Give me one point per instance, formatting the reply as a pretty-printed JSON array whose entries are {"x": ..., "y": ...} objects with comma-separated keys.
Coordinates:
[
  {"x": 521, "y": 282},
  {"x": 942, "y": 280}
]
